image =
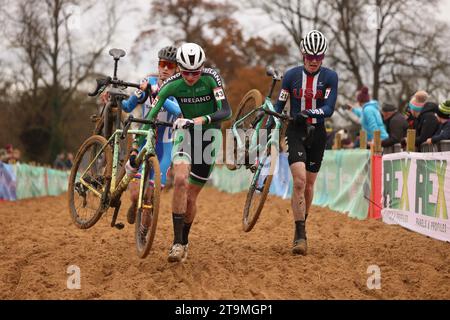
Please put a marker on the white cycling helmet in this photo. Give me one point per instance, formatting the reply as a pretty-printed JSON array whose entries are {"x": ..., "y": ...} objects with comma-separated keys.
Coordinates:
[
  {"x": 190, "y": 56},
  {"x": 314, "y": 43}
]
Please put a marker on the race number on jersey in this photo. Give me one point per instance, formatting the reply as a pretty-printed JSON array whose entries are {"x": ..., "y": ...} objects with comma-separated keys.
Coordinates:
[
  {"x": 284, "y": 95},
  {"x": 219, "y": 94},
  {"x": 327, "y": 93}
]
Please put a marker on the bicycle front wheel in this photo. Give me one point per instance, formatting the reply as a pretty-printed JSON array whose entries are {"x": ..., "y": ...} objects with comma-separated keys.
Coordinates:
[
  {"x": 147, "y": 216},
  {"x": 89, "y": 182},
  {"x": 259, "y": 189}
]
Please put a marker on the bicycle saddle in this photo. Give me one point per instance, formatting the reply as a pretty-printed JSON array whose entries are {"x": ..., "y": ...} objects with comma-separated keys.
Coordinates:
[
  {"x": 117, "y": 53},
  {"x": 274, "y": 73}
]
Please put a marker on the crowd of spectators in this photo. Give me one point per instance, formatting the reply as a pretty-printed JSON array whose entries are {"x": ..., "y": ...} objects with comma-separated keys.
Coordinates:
[{"x": 430, "y": 120}]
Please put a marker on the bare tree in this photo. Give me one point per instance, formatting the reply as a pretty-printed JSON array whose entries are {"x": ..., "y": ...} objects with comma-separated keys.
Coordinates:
[
  {"x": 211, "y": 25},
  {"x": 54, "y": 62},
  {"x": 381, "y": 42}
]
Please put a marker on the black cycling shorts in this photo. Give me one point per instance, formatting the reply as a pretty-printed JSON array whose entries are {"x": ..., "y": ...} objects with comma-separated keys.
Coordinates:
[
  {"x": 311, "y": 155},
  {"x": 199, "y": 149}
]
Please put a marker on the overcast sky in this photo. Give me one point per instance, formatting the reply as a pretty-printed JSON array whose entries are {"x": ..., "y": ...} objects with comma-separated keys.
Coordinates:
[
  {"x": 135, "y": 15},
  {"x": 254, "y": 21}
]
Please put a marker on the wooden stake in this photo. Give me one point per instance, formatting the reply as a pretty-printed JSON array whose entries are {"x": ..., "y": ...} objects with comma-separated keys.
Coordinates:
[
  {"x": 411, "y": 140},
  {"x": 363, "y": 139},
  {"x": 377, "y": 142}
]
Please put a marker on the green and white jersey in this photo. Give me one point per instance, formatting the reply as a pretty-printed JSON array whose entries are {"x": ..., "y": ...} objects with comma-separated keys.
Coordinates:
[{"x": 206, "y": 98}]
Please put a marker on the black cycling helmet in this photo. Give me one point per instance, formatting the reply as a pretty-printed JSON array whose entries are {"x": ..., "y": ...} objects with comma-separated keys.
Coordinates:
[{"x": 168, "y": 53}]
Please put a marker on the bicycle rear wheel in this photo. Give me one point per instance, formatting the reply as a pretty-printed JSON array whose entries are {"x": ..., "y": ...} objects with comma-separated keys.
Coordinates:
[
  {"x": 252, "y": 100},
  {"x": 259, "y": 189},
  {"x": 87, "y": 199},
  {"x": 147, "y": 216}
]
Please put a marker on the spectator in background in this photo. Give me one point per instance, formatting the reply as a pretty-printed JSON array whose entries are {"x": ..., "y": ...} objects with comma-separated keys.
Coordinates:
[
  {"x": 443, "y": 116},
  {"x": 409, "y": 117},
  {"x": 16, "y": 155},
  {"x": 395, "y": 123},
  {"x": 3, "y": 155},
  {"x": 425, "y": 123},
  {"x": 69, "y": 161},
  {"x": 9, "y": 154},
  {"x": 330, "y": 135},
  {"x": 347, "y": 143},
  {"x": 369, "y": 114},
  {"x": 59, "y": 162}
]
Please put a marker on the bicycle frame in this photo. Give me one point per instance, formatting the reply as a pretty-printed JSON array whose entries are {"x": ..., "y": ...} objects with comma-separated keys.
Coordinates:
[
  {"x": 254, "y": 145},
  {"x": 119, "y": 187}
]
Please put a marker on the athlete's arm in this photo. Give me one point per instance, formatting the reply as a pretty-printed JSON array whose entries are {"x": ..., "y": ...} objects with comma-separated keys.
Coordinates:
[
  {"x": 284, "y": 94},
  {"x": 130, "y": 104},
  {"x": 223, "y": 107},
  {"x": 330, "y": 100},
  {"x": 172, "y": 107}
]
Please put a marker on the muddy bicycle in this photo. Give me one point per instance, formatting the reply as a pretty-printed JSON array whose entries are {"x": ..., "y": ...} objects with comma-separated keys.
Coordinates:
[
  {"x": 110, "y": 117},
  {"x": 95, "y": 185},
  {"x": 257, "y": 149}
]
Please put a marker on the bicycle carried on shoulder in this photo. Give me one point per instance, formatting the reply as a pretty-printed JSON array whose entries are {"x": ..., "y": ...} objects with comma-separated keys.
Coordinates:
[
  {"x": 110, "y": 117},
  {"x": 257, "y": 149},
  {"x": 95, "y": 185}
]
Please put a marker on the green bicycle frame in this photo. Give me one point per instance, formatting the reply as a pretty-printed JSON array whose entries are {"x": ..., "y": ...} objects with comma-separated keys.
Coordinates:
[{"x": 254, "y": 145}]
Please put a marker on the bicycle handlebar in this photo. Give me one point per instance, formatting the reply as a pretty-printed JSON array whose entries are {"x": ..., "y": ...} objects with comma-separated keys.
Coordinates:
[
  {"x": 278, "y": 115},
  {"x": 153, "y": 123},
  {"x": 104, "y": 82},
  {"x": 309, "y": 127}
]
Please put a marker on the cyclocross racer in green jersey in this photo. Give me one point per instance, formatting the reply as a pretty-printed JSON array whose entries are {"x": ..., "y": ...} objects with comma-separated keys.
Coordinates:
[{"x": 204, "y": 106}]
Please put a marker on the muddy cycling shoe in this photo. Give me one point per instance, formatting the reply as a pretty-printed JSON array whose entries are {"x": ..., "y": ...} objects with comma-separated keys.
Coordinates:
[
  {"x": 177, "y": 253},
  {"x": 131, "y": 214},
  {"x": 299, "y": 247}
]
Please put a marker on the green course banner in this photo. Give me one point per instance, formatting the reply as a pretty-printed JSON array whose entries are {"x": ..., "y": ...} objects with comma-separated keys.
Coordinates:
[
  {"x": 343, "y": 183},
  {"x": 39, "y": 181}
]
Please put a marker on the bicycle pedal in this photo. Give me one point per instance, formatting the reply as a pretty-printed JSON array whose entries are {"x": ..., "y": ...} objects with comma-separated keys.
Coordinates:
[{"x": 119, "y": 225}]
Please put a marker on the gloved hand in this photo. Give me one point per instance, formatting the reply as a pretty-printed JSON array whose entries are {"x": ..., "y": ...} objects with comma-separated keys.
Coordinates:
[
  {"x": 182, "y": 123},
  {"x": 138, "y": 93},
  {"x": 301, "y": 118}
]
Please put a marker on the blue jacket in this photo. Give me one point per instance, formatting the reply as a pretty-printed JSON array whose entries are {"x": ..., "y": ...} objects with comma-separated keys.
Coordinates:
[
  {"x": 168, "y": 113},
  {"x": 371, "y": 120}
]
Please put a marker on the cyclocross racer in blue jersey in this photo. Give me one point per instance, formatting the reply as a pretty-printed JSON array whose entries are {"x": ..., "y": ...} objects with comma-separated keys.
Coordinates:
[
  {"x": 167, "y": 67},
  {"x": 312, "y": 91}
]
